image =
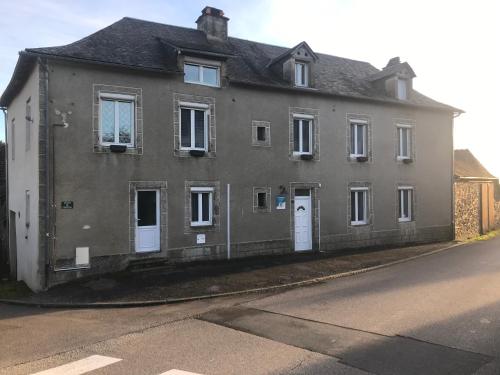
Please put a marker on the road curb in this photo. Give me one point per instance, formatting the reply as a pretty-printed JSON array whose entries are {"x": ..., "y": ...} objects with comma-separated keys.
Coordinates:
[{"x": 167, "y": 301}]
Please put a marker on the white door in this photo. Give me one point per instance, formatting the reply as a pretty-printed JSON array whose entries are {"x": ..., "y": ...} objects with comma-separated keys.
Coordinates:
[
  {"x": 303, "y": 227},
  {"x": 147, "y": 232}
]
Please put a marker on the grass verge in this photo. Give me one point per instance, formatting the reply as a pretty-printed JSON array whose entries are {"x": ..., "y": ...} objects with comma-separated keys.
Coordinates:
[
  {"x": 487, "y": 236},
  {"x": 14, "y": 289}
]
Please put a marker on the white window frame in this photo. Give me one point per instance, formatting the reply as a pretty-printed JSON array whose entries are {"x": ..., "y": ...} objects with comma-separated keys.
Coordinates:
[
  {"x": 194, "y": 107},
  {"x": 198, "y": 191},
  {"x": 305, "y": 68},
  {"x": 302, "y": 118},
  {"x": 118, "y": 98},
  {"x": 408, "y": 141},
  {"x": 401, "y": 190},
  {"x": 402, "y": 88},
  {"x": 357, "y": 190},
  {"x": 354, "y": 142},
  {"x": 201, "y": 68}
]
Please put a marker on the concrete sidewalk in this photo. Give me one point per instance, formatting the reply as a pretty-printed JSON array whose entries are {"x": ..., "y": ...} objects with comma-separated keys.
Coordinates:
[{"x": 180, "y": 282}]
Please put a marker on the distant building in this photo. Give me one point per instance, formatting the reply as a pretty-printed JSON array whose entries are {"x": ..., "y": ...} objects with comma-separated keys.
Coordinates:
[
  {"x": 476, "y": 209},
  {"x": 122, "y": 146}
]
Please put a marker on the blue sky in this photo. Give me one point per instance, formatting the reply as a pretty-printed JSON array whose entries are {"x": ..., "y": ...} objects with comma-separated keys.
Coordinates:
[{"x": 453, "y": 46}]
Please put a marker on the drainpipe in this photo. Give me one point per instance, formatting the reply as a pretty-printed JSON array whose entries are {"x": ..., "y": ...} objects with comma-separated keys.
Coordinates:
[
  {"x": 228, "y": 221},
  {"x": 7, "y": 213},
  {"x": 47, "y": 236}
]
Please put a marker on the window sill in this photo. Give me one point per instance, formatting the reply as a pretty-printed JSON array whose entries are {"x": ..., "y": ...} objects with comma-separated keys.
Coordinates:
[
  {"x": 358, "y": 223},
  {"x": 203, "y": 225},
  {"x": 404, "y": 220},
  {"x": 122, "y": 149}
]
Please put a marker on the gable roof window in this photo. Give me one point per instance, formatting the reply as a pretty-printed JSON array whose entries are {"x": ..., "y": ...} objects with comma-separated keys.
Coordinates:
[
  {"x": 301, "y": 74},
  {"x": 402, "y": 89},
  {"x": 202, "y": 74}
]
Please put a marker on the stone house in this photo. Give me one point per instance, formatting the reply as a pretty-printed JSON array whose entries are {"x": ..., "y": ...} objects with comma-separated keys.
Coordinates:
[
  {"x": 477, "y": 197},
  {"x": 149, "y": 142}
]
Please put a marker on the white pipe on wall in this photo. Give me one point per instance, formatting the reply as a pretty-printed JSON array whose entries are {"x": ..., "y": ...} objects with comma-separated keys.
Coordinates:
[{"x": 228, "y": 221}]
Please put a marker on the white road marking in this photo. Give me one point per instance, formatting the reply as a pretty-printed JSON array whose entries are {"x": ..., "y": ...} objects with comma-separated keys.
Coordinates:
[
  {"x": 82, "y": 366},
  {"x": 179, "y": 372}
]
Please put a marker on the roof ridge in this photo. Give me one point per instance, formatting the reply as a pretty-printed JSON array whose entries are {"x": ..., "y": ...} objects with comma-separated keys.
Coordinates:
[{"x": 248, "y": 40}]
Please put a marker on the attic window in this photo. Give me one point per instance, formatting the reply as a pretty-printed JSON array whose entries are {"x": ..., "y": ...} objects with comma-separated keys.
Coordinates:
[
  {"x": 402, "y": 89},
  {"x": 301, "y": 75},
  {"x": 201, "y": 74}
]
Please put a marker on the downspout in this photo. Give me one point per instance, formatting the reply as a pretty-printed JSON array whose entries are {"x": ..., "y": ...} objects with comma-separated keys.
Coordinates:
[
  {"x": 47, "y": 236},
  {"x": 7, "y": 212}
]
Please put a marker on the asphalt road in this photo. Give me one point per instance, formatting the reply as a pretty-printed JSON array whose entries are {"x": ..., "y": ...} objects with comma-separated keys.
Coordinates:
[{"x": 439, "y": 314}]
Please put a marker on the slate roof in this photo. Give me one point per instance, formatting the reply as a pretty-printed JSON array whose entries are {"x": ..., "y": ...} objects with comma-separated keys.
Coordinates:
[
  {"x": 139, "y": 44},
  {"x": 466, "y": 165}
]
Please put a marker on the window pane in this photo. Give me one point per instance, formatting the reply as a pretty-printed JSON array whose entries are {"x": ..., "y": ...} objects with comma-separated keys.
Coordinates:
[
  {"x": 107, "y": 121},
  {"x": 261, "y": 133},
  {"x": 406, "y": 196},
  {"x": 353, "y": 138},
  {"x": 302, "y": 192},
  {"x": 205, "y": 208},
  {"x": 199, "y": 129},
  {"x": 402, "y": 89},
  {"x": 146, "y": 208},
  {"x": 305, "y": 136},
  {"x": 404, "y": 142},
  {"x": 296, "y": 126},
  {"x": 361, "y": 205},
  {"x": 353, "y": 206},
  {"x": 298, "y": 74},
  {"x": 191, "y": 73},
  {"x": 261, "y": 200},
  {"x": 126, "y": 121},
  {"x": 185, "y": 127},
  {"x": 210, "y": 76},
  {"x": 400, "y": 200},
  {"x": 194, "y": 207},
  {"x": 361, "y": 140}
]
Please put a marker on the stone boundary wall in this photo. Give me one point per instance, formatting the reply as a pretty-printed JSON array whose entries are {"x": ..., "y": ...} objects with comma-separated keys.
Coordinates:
[{"x": 467, "y": 210}]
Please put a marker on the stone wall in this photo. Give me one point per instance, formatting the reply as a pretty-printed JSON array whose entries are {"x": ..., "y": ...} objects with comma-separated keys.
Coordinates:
[{"x": 467, "y": 210}]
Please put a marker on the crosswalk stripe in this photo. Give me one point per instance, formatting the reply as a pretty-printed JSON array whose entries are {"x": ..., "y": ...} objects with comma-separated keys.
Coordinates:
[
  {"x": 82, "y": 366},
  {"x": 179, "y": 372}
]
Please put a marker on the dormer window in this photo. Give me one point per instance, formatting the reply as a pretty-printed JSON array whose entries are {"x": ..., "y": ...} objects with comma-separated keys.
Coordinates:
[
  {"x": 402, "y": 89},
  {"x": 201, "y": 74},
  {"x": 301, "y": 74}
]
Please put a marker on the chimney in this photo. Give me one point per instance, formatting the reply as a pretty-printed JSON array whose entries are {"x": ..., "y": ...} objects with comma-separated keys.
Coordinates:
[{"x": 213, "y": 23}]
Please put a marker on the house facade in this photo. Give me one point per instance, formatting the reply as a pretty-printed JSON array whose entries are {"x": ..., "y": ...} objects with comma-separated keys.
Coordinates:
[{"x": 147, "y": 141}]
